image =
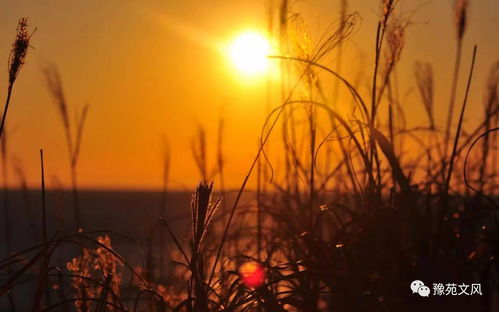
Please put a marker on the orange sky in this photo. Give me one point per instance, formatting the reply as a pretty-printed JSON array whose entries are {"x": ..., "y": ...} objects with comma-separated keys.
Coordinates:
[{"x": 153, "y": 67}]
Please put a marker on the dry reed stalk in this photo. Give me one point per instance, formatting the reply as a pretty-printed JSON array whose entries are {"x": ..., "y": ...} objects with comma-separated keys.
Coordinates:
[
  {"x": 395, "y": 39},
  {"x": 42, "y": 278},
  {"x": 54, "y": 85},
  {"x": 17, "y": 59},
  {"x": 5, "y": 191},
  {"x": 424, "y": 80},
  {"x": 460, "y": 18},
  {"x": 202, "y": 211},
  {"x": 44, "y": 212},
  {"x": 425, "y": 84},
  {"x": 388, "y": 7},
  {"x": 459, "y": 126},
  {"x": 202, "y": 214}
]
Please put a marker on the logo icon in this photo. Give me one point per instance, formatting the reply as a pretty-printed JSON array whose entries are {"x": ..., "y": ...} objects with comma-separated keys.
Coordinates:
[
  {"x": 446, "y": 289},
  {"x": 424, "y": 291},
  {"x": 419, "y": 287}
]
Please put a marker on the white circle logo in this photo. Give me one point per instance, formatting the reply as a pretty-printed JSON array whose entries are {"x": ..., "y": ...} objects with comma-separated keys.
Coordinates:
[
  {"x": 418, "y": 287},
  {"x": 424, "y": 291},
  {"x": 415, "y": 285}
]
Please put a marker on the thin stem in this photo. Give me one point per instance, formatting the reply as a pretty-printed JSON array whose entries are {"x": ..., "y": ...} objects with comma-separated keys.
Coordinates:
[
  {"x": 8, "y": 242},
  {"x": 5, "y": 109},
  {"x": 44, "y": 213},
  {"x": 458, "y": 131},
  {"x": 240, "y": 192},
  {"x": 455, "y": 78}
]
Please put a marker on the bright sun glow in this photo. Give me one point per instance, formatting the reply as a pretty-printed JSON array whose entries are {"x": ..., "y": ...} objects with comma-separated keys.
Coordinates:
[{"x": 249, "y": 53}]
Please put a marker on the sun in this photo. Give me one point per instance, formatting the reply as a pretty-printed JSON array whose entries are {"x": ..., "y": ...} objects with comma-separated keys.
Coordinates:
[{"x": 249, "y": 53}]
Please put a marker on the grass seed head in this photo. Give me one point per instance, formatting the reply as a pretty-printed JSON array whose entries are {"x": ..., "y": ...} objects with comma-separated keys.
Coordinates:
[
  {"x": 19, "y": 49},
  {"x": 424, "y": 80},
  {"x": 460, "y": 12},
  {"x": 396, "y": 39},
  {"x": 388, "y": 7}
]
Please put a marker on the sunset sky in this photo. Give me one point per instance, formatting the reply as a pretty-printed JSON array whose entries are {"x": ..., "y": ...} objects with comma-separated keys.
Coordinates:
[{"x": 154, "y": 67}]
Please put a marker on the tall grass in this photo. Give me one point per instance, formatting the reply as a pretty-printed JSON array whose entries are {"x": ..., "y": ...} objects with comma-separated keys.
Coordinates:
[
  {"x": 6, "y": 207},
  {"x": 342, "y": 218},
  {"x": 17, "y": 59},
  {"x": 460, "y": 14},
  {"x": 73, "y": 130}
]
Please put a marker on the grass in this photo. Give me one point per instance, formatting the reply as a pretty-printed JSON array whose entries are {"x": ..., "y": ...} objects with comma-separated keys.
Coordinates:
[
  {"x": 54, "y": 84},
  {"x": 343, "y": 219}
]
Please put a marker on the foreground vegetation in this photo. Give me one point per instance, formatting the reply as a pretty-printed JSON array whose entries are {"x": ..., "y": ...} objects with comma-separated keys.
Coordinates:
[{"x": 341, "y": 220}]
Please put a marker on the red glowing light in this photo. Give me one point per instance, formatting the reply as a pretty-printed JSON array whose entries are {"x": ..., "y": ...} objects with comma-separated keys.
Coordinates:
[{"x": 252, "y": 274}]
